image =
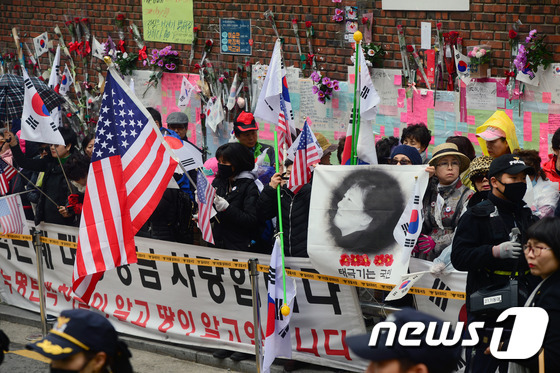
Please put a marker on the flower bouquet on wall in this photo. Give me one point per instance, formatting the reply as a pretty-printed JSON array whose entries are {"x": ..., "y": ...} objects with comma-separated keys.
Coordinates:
[
  {"x": 480, "y": 61},
  {"x": 533, "y": 57}
]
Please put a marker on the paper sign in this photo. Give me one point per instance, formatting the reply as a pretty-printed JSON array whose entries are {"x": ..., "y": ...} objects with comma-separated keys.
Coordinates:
[
  {"x": 426, "y": 35},
  {"x": 168, "y": 21},
  {"x": 235, "y": 36}
]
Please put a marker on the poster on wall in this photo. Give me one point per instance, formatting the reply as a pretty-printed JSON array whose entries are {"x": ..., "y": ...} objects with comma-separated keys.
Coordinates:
[
  {"x": 235, "y": 36},
  {"x": 168, "y": 21},
  {"x": 455, "y": 5}
]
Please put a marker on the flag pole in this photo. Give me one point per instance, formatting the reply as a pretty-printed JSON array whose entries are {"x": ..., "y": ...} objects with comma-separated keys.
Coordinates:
[
  {"x": 353, "y": 154},
  {"x": 280, "y": 226}
]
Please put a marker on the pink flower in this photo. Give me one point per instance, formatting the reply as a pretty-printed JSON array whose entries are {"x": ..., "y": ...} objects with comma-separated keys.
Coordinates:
[
  {"x": 170, "y": 66},
  {"x": 314, "y": 89},
  {"x": 221, "y": 79},
  {"x": 335, "y": 85},
  {"x": 160, "y": 63},
  {"x": 322, "y": 100}
]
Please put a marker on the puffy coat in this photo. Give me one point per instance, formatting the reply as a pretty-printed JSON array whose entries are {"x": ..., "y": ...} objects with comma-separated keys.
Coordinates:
[
  {"x": 237, "y": 227},
  {"x": 295, "y": 216}
]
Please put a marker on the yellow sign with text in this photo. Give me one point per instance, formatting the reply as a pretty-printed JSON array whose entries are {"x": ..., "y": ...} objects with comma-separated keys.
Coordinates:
[{"x": 168, "y": 21}]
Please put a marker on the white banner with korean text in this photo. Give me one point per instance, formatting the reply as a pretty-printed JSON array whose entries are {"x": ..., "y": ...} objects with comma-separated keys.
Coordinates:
[{"x": 187, "y": 304}]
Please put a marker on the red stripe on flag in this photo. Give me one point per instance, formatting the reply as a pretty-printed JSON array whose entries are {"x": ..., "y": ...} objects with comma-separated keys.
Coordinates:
[{"x": 137, "y": 162}]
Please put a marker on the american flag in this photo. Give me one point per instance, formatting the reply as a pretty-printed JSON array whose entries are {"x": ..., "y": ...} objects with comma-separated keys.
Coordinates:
[
  {"x": 7, "y": 172},
  {"x": 307, "y": 153},
  {"x": 284, "y": 137},
  {"x": 129, "y": 172},
  {"x": 11, "y": 215},
  {"x": 205, "y": 194}
]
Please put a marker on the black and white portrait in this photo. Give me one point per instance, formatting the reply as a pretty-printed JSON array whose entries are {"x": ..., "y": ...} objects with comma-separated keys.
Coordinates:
[{"x": 364, "y": 210}]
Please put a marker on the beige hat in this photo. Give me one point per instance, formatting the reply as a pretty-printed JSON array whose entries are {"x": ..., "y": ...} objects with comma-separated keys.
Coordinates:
[
  {"x": 446, "y": 149},
  {"x": 325, "y": 144}
]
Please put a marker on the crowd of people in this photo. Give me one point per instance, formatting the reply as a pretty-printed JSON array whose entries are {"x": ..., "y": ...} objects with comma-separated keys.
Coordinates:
[{"x": 478, "y": 211}]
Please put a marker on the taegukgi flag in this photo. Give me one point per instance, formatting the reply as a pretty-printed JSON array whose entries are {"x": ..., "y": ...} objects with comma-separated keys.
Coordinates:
[
  {"x": 65, "y": 81},
  {"x": 409, "y": 227},
  {"x": 186, "y": 91},
  {"x": 41, "y": 44},
  {"x": 278, "y": 341},
  {"x": 275, "y": 97},
  {"x": 36, "y": 122}
]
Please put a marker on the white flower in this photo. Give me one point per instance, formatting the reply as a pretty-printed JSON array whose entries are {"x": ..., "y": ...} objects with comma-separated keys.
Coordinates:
[
  {"x": 125, "y": 55},
  {"x": 371, "y": 52},
  {"x": 478, "y": 54}
]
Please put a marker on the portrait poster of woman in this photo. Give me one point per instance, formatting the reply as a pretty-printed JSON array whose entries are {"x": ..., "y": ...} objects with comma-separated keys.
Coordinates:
[{"x": 354, "y": 211}]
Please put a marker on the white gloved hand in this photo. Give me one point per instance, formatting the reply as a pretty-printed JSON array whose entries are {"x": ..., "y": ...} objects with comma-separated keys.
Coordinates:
[
  {"x": 439, "y": 269},
  {"x": 507, "y": 250},
  {"x": 220, "y": 203}
]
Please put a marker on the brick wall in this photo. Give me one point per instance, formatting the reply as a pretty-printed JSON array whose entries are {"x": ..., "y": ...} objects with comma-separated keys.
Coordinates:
[{"x": 487, "y": 22}]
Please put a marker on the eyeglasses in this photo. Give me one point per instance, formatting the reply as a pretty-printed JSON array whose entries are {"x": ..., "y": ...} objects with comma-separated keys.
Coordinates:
[
  {"x": 403, "y": 162},
  {"x": 479, "y": 178},
  {"x": 453, "y": 164},
  {"x": 535, "y": 249}
]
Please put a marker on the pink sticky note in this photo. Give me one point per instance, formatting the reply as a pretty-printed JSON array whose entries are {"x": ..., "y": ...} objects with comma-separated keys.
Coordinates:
[
  {"x": 396, "y": 132},
  {"x": 351, "y": 78},
  {"x": 377, "y": 138},
  {"x": 400, "y": 103},
  {"x": 339, "y": 134},
  {"x": 398, "y": 80},
  {"x": 543, "y": 142},
  {"x": 266, "y": 134},
  {"x": 404, "y": 117},
  {"x": 471, "y": 120},
  {"x": 547, "y": 97},
  {"x": 401, "y": 93},
  {"x": 458, "y": 133},
  {"x": 527, "y": 127},
  {"x": 473, "y": 138},
  {"x": 334, "y": 103}
]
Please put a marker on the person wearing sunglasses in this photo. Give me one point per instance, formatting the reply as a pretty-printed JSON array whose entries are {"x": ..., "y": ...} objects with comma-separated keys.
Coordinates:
[
  {"x": 478, "y": 175},
  {"x": 405, "y": 155}
]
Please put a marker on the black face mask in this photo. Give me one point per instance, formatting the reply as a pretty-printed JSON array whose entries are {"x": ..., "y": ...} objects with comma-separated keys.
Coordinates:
[
  {"x": 514, "y": 191},
  {"x": 224, "y": 171}
]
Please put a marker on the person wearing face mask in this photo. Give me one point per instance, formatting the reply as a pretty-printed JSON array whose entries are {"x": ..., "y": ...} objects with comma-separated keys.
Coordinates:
[
  {"x": 542, "y": 196},
  {"x": 236, "y": 224},
  {"x": 83, "y": 341},
  {"x": 488, "y": 245}
]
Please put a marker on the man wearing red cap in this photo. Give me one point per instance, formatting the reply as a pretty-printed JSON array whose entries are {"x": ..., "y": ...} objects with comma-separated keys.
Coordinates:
[{"x": 245, "y": 130}]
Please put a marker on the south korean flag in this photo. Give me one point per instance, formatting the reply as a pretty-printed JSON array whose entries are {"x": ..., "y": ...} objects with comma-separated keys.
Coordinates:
[
  {"x": 41, "y": 44},
  {"x": 65, "y": 81}
]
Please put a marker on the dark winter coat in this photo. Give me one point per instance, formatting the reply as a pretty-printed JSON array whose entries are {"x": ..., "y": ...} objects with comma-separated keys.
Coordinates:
[
  {"x": 171, "y": 220},
  {"x": 54, "y": 185},
  {"x": 480, "y": 228},
  {"x": 295, "y": 216},
  {"x": 237, "y": 228}
]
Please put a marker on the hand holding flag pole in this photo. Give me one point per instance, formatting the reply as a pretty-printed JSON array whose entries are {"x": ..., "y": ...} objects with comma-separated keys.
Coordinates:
[{"x": 285, "y": 308}]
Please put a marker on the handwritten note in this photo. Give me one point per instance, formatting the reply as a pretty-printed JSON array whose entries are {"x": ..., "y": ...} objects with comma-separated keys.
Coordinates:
[
  {"x": 482, "y": 96},
  {"x": 168, "y": 21}
]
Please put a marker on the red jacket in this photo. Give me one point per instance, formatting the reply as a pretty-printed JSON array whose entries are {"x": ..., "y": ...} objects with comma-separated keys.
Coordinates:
[{"x": 550, "y": 169}]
